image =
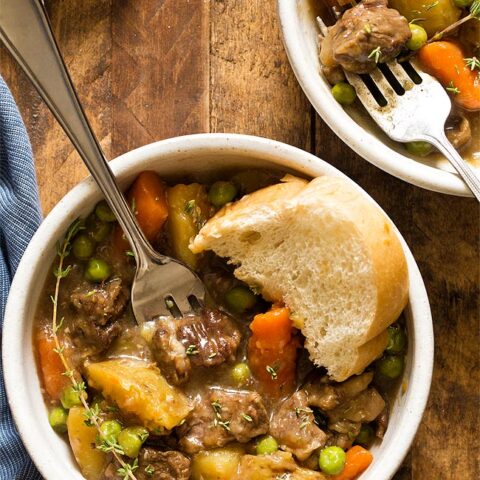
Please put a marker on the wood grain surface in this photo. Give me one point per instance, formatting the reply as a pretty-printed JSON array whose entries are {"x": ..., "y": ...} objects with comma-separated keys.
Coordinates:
[{"x": 151, "y": 69}]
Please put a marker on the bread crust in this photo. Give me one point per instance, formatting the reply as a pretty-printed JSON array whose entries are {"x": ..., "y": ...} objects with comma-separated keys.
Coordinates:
[{"x": 380, "y": 240}]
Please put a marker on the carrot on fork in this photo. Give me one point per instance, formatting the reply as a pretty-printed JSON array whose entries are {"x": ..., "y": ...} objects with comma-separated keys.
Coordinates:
[{"x": 445, "y": 61}]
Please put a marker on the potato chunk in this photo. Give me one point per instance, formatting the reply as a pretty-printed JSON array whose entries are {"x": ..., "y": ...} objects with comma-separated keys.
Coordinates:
[
  {"x": 188, "y": 210},
  {"x": 271, "y": 467},
  {"x": 217, "y": 464},
  {"x": 432, "y": 16},
  {"x": 139, "y": 389},
  {"x": 91, "y": 461}
]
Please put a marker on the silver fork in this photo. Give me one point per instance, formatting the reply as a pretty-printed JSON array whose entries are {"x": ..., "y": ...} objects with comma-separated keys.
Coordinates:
[
  {"x": 417, "y": 113},
  {"x": 162, "y": 285}
]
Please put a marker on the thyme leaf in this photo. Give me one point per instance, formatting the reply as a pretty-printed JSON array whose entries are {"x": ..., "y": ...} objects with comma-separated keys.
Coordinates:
[
  {"x": 192, "y": 350},
  {"x": 375, "y": 54},
  {"x": 452, "y": 88},
  {"x": 217, "y": 408},
  {"x": 126, "y": 471},
  {"x": 109, "y": 445},
  {"x": 272, "y": 371},
  {"x": 190, "y": 206},
  {"x": 472, "y": 63},
  {"x": 149, "y": 470},
  {"x": 225, "y": 425},
  {"x": 430, "y": 6}
]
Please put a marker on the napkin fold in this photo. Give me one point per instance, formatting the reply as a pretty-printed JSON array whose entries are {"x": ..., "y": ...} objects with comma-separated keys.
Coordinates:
[{"x": 19, "y": 219}]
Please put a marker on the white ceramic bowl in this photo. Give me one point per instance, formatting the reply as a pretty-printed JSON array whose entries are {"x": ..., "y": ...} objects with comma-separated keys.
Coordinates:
[
  {"x": 196, "y": 154},
  {"x": 353, "y": 125}
]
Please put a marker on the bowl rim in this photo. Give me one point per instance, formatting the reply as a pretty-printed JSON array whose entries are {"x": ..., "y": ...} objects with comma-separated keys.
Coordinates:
[
  {"x": 367, "y": 145},
  {"x": 285, "y": 156}
]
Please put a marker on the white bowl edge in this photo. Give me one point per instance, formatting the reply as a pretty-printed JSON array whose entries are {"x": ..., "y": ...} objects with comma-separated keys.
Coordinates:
[
  {"x": 49, "y": 452},
  {"x": 360, "y": 140}
]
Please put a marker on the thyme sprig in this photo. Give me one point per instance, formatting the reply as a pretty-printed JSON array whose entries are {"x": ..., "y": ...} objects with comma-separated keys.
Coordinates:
[
  {"x": 92, "y": 414},
  {"x": 127, "y": 470}
]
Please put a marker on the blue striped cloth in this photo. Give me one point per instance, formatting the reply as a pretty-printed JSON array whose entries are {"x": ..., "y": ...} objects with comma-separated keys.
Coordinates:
[{"x": 19, "y": 218}]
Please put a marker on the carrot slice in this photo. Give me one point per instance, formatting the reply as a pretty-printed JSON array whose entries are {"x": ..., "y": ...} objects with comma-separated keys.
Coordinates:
[
  {"x": 51, "y": 366},
  {"x": 272, "y": 328},
  {"x": 358, "y": 460},
  {"x": 445, "y": 61},
  {"x": 272, "y": 351},
  {"x": 148, "y": 199}
]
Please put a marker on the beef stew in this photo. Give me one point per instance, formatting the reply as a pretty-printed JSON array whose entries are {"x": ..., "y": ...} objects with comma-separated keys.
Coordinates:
[{"x": 209, "y": 396}]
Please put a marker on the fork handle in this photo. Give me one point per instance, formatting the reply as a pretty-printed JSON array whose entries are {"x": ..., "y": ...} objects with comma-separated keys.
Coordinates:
[
  {"x": 26, "y": 32},
  {"x": 461, "y": 166}
]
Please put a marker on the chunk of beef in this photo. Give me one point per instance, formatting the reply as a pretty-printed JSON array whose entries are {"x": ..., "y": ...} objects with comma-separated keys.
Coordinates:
[
  {"x": 363, "y": 408},
  {"x": 343, "y": 432},
  {"x": 162, "y": 465},
  {"x": 470, "y": 36},
  {"x": 100, "y": 303},
  {"x": 347, "y": 405},
  {"x": 294, "y": 427},
  {"x": 368, "y": 27},
  {"x": 98, "y": 307},
  {"x": 205, "y": 340},
  {"x": 458, "y": 131},
  {"x": 222, "y": 416},
  {"x": 328, "y": 396},
  {"x": 155, "y": 465},
  {"x": 275, "y": 466},
  {"x": 341, "y": 440},
  {"x": 97, "y": 338},
  {"x": 382, "y": 423}
]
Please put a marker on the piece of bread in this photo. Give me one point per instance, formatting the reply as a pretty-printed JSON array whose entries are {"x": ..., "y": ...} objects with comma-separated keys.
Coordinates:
[{"x": 326, "y": 251}]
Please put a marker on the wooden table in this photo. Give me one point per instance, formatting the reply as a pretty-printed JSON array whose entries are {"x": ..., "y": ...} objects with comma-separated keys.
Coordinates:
[{"x": 150, "y": 69}]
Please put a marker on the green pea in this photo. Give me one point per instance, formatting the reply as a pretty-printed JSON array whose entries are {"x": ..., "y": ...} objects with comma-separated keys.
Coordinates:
[
  {"x": 240, "y": 299},
  {"x": 97, "y": 229},
  {"x": 104, "y": 212},
  {"x": 397, "y": 339},
  {"x": 266, "y": 445},
  {"x": 419, "y": 148},
  {"x": 463, "y": 3},
  {"x": 101, "y": 231},
  {"x": 344, "y": 93},
  {"x": 58, "y": 419},
  {"x": 131, "y": 440},
  {"x": 97, "y": 270},
  {"x": 71, "y": 397},
  {"x": 390, "y": 366},
  {"x": 419, "y": 37},
  {"x": 83, "y": 247},
  {"x": 241, "y": 373},
  {"x": 366, "y": 435},
  {"x": 332, "y": 460},
  {"x": 221, "y": 193},
  {"x": 110, "y": 429}
]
